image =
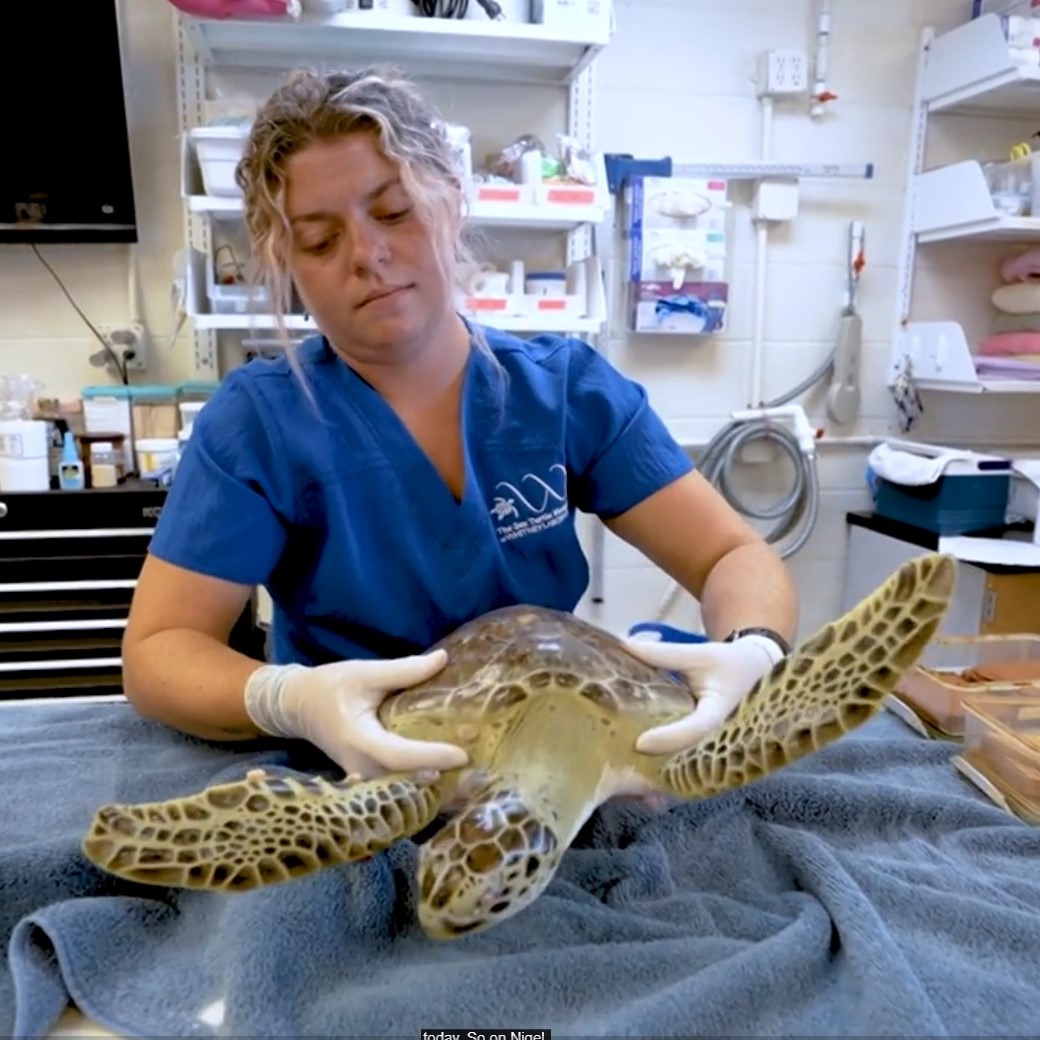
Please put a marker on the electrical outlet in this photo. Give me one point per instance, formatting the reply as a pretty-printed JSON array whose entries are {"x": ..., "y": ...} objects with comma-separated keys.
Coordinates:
[
  {"x": 129, "y": 342},
  {"x": 782, "y": 72}
]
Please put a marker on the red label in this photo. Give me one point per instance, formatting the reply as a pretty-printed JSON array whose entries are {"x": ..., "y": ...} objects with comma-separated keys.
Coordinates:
[
  {"x": 498, "y": 194},
  {"x": 550, "y": 304},
  {"x": 572, "y": 196},
  {"x": 486, "y": 303}
]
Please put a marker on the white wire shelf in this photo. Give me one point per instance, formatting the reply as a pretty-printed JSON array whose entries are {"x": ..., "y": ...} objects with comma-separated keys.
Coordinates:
[
  {"x": 941, "y": 359},
  {"x": 954, "y": 202},
  {"x": 971, "y": 69},
  {"x": 456, "y": 49},
  {"x": 537, "y": 216},
  {"x": 203, "y": 318}
]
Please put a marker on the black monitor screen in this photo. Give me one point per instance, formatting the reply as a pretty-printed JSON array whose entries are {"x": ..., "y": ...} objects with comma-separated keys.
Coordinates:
[{"x": 65, "y": 172}]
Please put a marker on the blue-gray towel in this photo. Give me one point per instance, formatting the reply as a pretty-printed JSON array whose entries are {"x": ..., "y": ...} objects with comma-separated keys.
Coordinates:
[{"x": 867, "y": 890}]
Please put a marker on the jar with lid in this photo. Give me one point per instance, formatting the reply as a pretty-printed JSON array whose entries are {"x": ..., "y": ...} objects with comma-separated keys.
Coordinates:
[{"x": 106, "y": 464}]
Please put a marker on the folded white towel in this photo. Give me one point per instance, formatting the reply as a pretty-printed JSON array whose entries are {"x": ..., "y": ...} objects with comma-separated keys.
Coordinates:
[{"x": 909, "y": 468}]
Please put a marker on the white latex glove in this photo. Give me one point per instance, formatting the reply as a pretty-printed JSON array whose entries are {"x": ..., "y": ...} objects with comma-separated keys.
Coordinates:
[
  {"x": 720, "y": 674},
  {"x": 334, "y": 707}
]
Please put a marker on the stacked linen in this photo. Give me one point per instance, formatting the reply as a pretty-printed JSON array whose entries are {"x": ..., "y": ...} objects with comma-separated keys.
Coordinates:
[
  {"x": 1022, "y": 33},
  {"x": 1012, "y": 350}
]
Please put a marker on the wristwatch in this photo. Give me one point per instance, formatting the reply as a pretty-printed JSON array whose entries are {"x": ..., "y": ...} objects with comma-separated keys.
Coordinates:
[{"x": 737, "y": 633}]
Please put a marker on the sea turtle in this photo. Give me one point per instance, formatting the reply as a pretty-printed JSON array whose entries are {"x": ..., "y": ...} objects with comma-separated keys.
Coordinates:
[{"x": 549, "y": 708}]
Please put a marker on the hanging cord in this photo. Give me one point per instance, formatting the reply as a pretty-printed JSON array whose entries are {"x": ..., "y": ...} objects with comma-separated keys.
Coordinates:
[
  {"x": 120, "y": 364},
  {"x": 456, "y": 8}
]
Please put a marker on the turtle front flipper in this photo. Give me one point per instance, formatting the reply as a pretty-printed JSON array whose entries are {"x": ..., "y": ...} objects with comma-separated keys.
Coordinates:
[
  {"x": 829, "y": 685},
  {"x": 258, "y": 831}
]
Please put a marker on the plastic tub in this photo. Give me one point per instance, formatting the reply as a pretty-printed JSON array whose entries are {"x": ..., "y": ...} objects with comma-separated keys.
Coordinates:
[
  {"x": 955, "y": 504},
  {"x": 154, "y": 408},
  {"x": 155, "y": 453},
  {"x": 219, "y": 149},
  {"x": 954, "y": 667},
  {"x": 1002, "y": 742}
]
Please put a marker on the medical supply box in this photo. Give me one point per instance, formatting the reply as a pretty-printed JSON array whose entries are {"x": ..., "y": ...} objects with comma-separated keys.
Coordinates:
[{"x": 676, "y": 231}]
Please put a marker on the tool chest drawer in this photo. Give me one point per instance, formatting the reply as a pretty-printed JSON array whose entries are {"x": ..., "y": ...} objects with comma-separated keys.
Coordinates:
[{"x": 69, "y": 562}]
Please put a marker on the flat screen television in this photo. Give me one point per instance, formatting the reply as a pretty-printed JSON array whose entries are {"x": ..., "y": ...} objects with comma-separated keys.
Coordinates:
[{"x": 65, "y": 173}]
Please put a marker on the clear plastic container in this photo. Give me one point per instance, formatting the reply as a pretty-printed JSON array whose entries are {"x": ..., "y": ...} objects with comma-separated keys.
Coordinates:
[
  {"x": 1010, "y": 183},
  {"x": 1002, "y": 742},
  {"x": 154, "y": 410},
  {"x": 106, "y": 464},
  {"x": 954, "y": 667}
]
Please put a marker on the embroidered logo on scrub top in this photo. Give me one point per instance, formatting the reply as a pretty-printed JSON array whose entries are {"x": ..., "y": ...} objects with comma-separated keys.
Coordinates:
[{"x": 530, "y": 504}]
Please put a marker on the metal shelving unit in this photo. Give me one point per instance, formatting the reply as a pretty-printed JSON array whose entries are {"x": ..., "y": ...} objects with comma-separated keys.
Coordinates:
[
  {"x": 500, "y": 52},
  {"x": 968, "y": 70},
  {"x": 505, "y": 52}
]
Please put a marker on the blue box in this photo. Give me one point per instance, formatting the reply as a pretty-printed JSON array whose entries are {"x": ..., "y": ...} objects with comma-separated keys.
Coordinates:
[{"x": 951, "y": 505}]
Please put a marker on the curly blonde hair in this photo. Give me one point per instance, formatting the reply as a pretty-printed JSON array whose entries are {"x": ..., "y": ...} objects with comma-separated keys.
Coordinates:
[{"x": 314, "y": 106}]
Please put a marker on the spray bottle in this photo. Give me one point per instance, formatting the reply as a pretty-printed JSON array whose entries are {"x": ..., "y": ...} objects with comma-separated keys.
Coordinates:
[{"x": 70, "y": 467}]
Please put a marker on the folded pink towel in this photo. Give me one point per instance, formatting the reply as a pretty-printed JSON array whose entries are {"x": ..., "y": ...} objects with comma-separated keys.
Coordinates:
[
  {"x": 1008, "y": 344},
  {"x": 1021, "y": 267}
]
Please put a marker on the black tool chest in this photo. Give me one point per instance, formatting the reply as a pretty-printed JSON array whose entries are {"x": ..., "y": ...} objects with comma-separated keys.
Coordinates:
[{"x": 69, "y": 562}]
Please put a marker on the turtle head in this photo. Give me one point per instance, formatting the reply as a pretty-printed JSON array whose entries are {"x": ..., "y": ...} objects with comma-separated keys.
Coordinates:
[{"x": 488, "y": 863}]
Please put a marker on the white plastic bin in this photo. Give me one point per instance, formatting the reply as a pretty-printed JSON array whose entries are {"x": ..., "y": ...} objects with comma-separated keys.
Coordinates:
[{"x": 219, "y": 149}]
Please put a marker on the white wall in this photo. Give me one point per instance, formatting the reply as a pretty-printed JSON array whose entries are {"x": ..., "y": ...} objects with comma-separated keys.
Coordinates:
[
  {"x": 677, "y": 80},
  {"x": 695, "y": 100}
]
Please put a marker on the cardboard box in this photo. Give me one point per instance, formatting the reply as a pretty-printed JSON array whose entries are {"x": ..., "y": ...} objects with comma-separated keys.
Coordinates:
[
  {"x": 1011, "y": 604},
  {"x": 988, "y": 600}
]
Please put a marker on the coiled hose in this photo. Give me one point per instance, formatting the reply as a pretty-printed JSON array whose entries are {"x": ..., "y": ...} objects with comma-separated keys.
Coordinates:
[{"x": 800, "y": 506}]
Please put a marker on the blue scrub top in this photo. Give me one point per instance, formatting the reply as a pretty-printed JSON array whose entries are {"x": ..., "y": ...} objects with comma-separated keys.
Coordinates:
[{"x": 365, "y": 552}]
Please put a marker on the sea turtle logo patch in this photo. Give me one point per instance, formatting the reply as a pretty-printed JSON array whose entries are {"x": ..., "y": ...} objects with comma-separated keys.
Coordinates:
[{"x": 530, "y": 504}]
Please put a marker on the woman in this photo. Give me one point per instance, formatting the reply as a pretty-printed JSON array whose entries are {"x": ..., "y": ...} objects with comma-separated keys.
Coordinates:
[{"x": 404, "y": 472}]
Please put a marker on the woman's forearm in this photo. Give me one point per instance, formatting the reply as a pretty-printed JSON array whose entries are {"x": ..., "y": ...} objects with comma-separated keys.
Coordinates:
[
  {"x": 750, "y": 587},
  {"x": 190, "y": 681}
]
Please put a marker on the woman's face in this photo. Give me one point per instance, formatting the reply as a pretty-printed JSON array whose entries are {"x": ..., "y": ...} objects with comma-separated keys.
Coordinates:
[{"x": 364, "y": 263}]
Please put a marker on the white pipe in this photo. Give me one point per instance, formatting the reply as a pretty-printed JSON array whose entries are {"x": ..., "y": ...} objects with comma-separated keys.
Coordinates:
[
  {"x": 820, "y": 94},
  {"x": 758, "y": 309},
  {"x": 758, "y": 314},
  {"x": 804, "y": 431},
  {"x": 765, "y": 146}
]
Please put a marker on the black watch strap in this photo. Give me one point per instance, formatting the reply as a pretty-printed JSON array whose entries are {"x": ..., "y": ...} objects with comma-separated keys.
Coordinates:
[{"x": 785, "y": 646}]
